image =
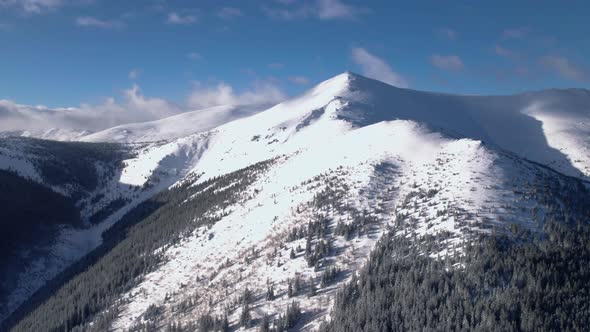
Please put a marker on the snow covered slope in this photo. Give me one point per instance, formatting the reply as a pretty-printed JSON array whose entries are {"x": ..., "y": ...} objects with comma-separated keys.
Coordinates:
[
  {"x": 176, "y": 126},
  {"x": 395, "y": 156},
  {"x": 550, "y": 127},
  {"x": 115, "y": 123},
  {"x": 104, "y": 180},
  {"x": 54, "y": 134},
  {"x": 352, "y": 158}
]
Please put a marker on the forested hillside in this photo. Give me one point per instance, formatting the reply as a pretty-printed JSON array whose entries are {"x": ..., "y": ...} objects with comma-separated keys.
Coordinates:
[
  {"x": 30, "y": 215},
  {"x": 50, "y": 194},
  {"x": 130, "y": 250},
  {"x": 29, "y": 210},
  {"x": 502, "y": 285},
  {"x": 521, "y": 281}
]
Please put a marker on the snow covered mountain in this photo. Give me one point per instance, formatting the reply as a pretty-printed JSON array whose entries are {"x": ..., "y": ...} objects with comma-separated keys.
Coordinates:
[
  {"x": 173, "y": 127},
  {"x": 285, "y": 205},
  {"x": 72, "y": 124},
  {"x": 53, "y": 134}
]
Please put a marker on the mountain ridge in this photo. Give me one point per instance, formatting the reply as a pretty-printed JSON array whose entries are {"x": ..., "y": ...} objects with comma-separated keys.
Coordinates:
[{"x": 348, "y": 161}]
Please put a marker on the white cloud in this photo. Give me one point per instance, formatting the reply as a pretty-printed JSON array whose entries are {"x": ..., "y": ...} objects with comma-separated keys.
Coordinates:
[
  {"x": 224, "y": 94},
  {"x": 229, "y": 13},
  {"x": 301, "y": 80},
  {"x": 32, "y": 6},
  {"x": 133, "y": 107},
  {"x": 447, "y": 62},
  {"x": 289, "y": 13},
  {"x": 175, "y": 18},
  {"x": 332, "y": 9},
  {"x": 321, "y": 9},
  {"x": 155, "y": 108},
  {"x": 516, "y": 33},
  {"x": 88, "y": 21},
  {"x": 447, "y": 33},
  {"x": 195, "y": 56},
  {"x": 374, "y": 67},
  {"x": 564, "y": 68}
]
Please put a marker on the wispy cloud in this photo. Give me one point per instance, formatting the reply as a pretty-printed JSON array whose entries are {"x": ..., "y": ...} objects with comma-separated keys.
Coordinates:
[
  {"x": 194, "y": 56},
  {"x": 516, "y": 33},
  {"x": 224, "y": 94},
  {"x": 288, "y": 13},
  {"x": 88, "y": 21},
  {"x": 228, "y": 13},
  {"x": 564, "y": 68},
  {"x": 447, "y": 62},
  {"x": 447, "y": 33},
  {"x": 375, "y": 67},
  {"x": 176, "y": 18},
  {"x": 334, "y": 9},
  {"x": 506, "y": 53},
  {"x": 32, "y": 6},
  {"x": 321, "y": 9},
  {"x": 300, "y": 80}
]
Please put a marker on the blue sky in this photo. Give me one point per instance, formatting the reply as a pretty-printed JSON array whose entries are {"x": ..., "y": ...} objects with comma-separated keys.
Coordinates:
[{"x": 63, "y": 53}]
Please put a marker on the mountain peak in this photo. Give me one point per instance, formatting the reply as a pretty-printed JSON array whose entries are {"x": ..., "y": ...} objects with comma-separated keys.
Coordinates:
[
  {"x": 346, "y": 82},
  {"x": 349, "y": 76}
]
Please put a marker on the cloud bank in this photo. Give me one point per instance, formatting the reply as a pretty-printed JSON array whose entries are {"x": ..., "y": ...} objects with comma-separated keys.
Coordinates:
[{"x": 133, "y": 106}]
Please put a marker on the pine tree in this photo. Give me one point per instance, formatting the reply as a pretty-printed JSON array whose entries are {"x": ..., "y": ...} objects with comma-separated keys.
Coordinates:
[
  {"x": 312, "y": 288},
  {"x": 290, "y": 292},
  {"x": 270, "y": 293},
  {"x": 245, "y": 317},
  {"x": 264, "y": 324}
]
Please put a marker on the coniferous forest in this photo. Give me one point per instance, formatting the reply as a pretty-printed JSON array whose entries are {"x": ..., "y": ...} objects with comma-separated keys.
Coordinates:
[
  {"x": 520, "y": 280},
  {"x": 515, "y": 278},
  {"x": 538, "y": 285},
  {"x": 91, "y": 286},
  {"x": 523, "y": 280},
  {"x": 29, "y": 214}
]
